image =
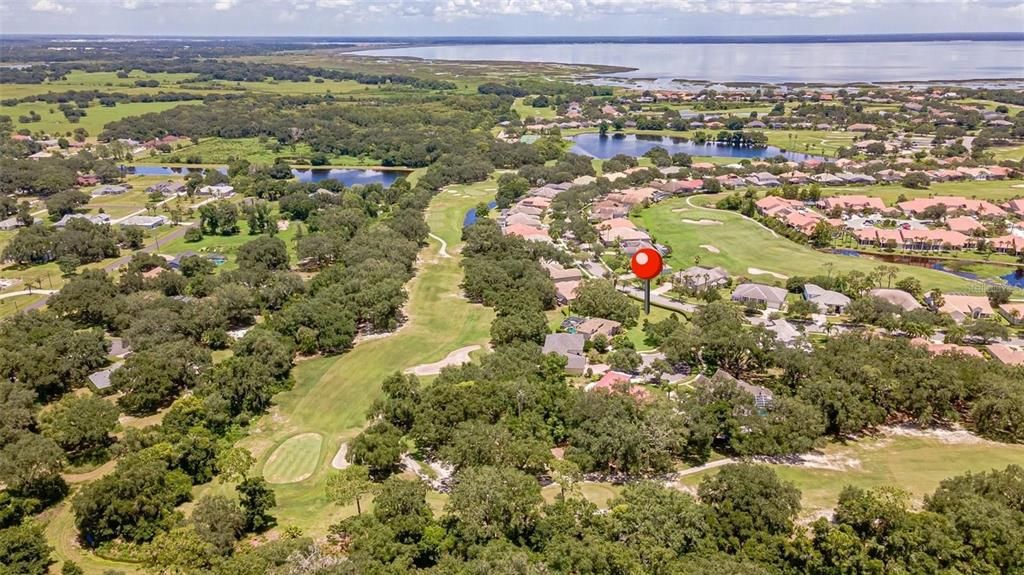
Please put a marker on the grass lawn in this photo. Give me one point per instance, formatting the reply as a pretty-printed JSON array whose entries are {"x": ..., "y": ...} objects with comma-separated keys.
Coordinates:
[
  {"x": 54, "y": 123},
  {"x": 332, "y": 395},
  {"x": 994, "y": 190},
  {"x": 525, "y": 110},
  {"x": 744, "y": 245},
  {"x": 229, "y": 245},
  {"x": 1014, "y": 153},
  {"x": 916, "y": 464},
  {"x": 62, "y": 535},
  {"x": 636, "y": 333},
  {"x": 12, "y": 305},
  {"x": 221, "y": 150}
]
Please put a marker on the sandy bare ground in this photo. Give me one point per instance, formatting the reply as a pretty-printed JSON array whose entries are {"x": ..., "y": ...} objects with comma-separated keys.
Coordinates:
[
  {"x": 457, "y": 357},
  {"x": 954, "y": 436},
  {"x": 711, "y": 248},
  {"x": 339, "y": 461},
  {"x": 677, "y": 210},
  {"x": 701, "y": 222},
  {"x": 759, "y": 271}
]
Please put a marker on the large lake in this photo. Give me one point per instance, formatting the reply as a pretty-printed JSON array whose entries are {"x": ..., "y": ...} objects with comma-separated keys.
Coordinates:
[
  {"x": 769, "y": 62},
  {"x": 347, "y": 176},
  {"x": 604, "y": 147}
]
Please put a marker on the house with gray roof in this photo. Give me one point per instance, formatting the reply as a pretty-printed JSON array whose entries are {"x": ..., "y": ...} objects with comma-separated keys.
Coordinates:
[
  {"x": 101, "y": 379},
  {"x": 828, "y": 301},
  {"x": 569, "y": 346},
  {"x": 699, "y": 278},
  {"x": 761, "y": 295},
  {"x": 109, "y": 191},
  {"x": 763, "y": 396}
]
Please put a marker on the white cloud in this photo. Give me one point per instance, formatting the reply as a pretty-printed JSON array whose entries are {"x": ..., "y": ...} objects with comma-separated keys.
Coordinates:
[
  {"x": 51, "y": 6},
  {"x": 222, "y": 5}
]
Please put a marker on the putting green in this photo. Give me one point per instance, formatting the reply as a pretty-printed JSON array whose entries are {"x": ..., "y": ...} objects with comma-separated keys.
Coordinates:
[{"x": 295, "y": 459}]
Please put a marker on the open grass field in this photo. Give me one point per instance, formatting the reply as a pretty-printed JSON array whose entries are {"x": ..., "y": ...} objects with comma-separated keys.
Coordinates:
[
  {"x": 332, "y": 395},
  {"x": 991, "y": 105},
  {"x": 54, "y": 123},
  {"x": 62, "y": 535},
  {"x": 221, "y": 151},
  {"x": 295, "y": 459},
  {"x": 916, "y": 463},
  {"x": 525, "y": 110},
  {"x": 227, "y": 245},
  {"x": 997, "y": 191},
  {"x": 744, "y": 245},
  {"x": 1014, "y": 153}
]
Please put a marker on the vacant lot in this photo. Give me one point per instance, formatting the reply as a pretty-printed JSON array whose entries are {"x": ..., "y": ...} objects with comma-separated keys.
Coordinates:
[
  {"x": 744, "y": 245},
  {"x": 54, "y": 123},
  {"x": 914, "y": 463},
  {"x": 221, "y": 151}
]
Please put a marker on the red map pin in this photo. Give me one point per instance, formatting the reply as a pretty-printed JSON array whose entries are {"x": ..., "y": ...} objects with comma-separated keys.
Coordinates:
[{"x": 646, "y": 263}]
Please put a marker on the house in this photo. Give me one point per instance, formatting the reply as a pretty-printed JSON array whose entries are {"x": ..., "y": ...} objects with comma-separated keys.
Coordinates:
[
  {"x": 565, "y": 291},
  {"x": 101, "y": 379},
  {"x": 828, "y": 301},
  {"x": 861, "y": 128},
  {"x": 584, "y": 181},
  {"x": 623, "y": 234},
  {"x": 896, "y": 297},
  {"x": 700, "y": 278},
  {"x": 1015, "y": 206},
  {"x": 87, "y": 180},
  {"x": 941, "y": 348},
  {"x": 10, "y": 223},
  {"x": 519, "y": 218},
  {"x": 167, "y": 189},
  {"x": 1009, "y": 355},
  {"x": 763, "y": 397},
  {"x": 147, "y": 222},
  {"x": 964, "y": 225},
  {"x": 765, "y": 179},
  {"x": 952, "y": 203},
  {"x": 560, "y": 274},
  {"x": 768, "y": 205},
  {"x": 681, "y": 186},
  {"x": 1013, "y": 312},
  {"x": 219, "y": 191},
  {"x": 828, "y": 179},
  {"x": 529, "y": 233},
  {"x": 853, "y": 203},
  {"x": 961, "y": 307},
  {"x": 1010, "y": 244},
  {"x": 569, "y": 346},
  {"x": 175, "y": 262},
  {"x": 97, "y": 219},
  {"x": 614, "y": 381},
  {"x": 761, "y": 295},
  {"x": 108, "y": 191},
  {"x": 599, "y": 325}
]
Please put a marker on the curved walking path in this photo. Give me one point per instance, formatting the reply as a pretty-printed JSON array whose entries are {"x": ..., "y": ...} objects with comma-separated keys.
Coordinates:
[
  {"x": 27, "y": 292},
  {"x": 769, "y": 230},
  {"x": 443, "y": 252},
  {"x": 457, "y": 357}
]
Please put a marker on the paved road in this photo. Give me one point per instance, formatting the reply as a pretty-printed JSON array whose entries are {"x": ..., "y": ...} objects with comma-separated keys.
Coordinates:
[
  {"x": 27, "y": 292},
  {"x": 657, "y": 300},
  {"x": 178, "y": 232}
]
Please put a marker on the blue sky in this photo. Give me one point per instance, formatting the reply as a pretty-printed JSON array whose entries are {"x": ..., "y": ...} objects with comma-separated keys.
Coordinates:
[{"x": 507, "y": 17}]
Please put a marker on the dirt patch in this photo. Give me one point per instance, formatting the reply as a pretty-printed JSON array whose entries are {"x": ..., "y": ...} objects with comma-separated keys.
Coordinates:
[
  {"x": 711, "y": 248},
  {"x": 759, "y": 271},
  {"x": 457, "y": 357},
  {"x": 339, "y": 461},
  {"x": 950, "y": 436},
  {"x": 701, "y": 222},
  {"x": 829, "y": 462},
  {"x": 677, "y": 210}
]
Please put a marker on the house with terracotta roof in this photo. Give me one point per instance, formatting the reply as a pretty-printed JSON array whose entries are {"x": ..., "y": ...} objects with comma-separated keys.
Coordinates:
[
  {"x": 530, "y": 233},
  {"x": 952, "y": 203},
  {"x": 769, "y": 204},
  {"x": 1007, "y": 354},
  {"x": 599, "y": 325},
  {"x": 861, "y": 128},
  {"x": 964, "y": 224},
  {"x": 617, "y": 382},
  {"x": 1013, "y": 312},
  {"x": 961, "y": 307},
  {"x": 1015, "y": 206},
  {"x": 853, "y": 203},
  {"x": 1009, "y": 244},
  {"x": 622, "y": 234},
  {"x": 935, "y": 240},
  {"x": 942, "y": 348}
]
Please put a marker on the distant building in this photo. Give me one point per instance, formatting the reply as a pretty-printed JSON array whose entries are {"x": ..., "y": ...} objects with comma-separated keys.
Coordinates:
[
  {"x": 109, "y": 191},
  {"x": 93, "y": 218},
  {"x": 147, "y": 222}
]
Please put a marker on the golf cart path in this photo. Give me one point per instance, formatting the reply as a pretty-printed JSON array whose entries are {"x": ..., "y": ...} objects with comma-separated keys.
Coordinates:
[
  {"x": 443, "y": 252},
  {"x": 457, "y": 357}
]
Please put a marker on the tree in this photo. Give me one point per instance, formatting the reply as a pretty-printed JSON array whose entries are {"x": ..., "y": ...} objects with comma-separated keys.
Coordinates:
[
  {"x": 986, "y": 330},
  {"x": 30, "y": 466},
  {"x": 998, "y": 295},
  {"x": 257, "y": 499},
  {"x": 916, "y": 181},
  {"x": 802, "y": 308},
  {"x": 24, "y": 550},
  {"x": 492, "y": 502},
  {"x": 822, "y": 235},
  {"x": 625, "y": 360},
  {"x": 80, "y": 423},
  {"x": 378, "y": 448},
  {"x": 66, "y": 202},
  {"x": 180, "y": 550},
  {"x": 152, "y": 378},
  {"x": 68, "y": 264},
  {"x": 219, "y": 218},
  {"x": 747, "y": 500},
  {"x": 350, "y": 485},
  {"x": 599, "y": 298},
  {"x": 219, "y": 521},
  {"x": 89, "y": 299}
]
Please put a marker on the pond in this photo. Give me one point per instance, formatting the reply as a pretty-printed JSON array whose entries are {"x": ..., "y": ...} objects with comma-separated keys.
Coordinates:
[
  {"x": 470, "y": 218},
  {"x": 1015, "y": 278},
  {"x": 347, "y": 176},
  {"x": 604, "y": 147}
]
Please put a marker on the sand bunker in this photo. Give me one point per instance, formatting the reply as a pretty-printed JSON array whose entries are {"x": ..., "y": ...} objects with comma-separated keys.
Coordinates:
[
  {"x": 951, "y": 436},
  {"x": 457, "y": 357},
  {"x": 711, "y": 248},
  {"x": 759, "y": 271},
  {"x": 339, "y": 461},
  {"x": 701, "y": 222}
]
